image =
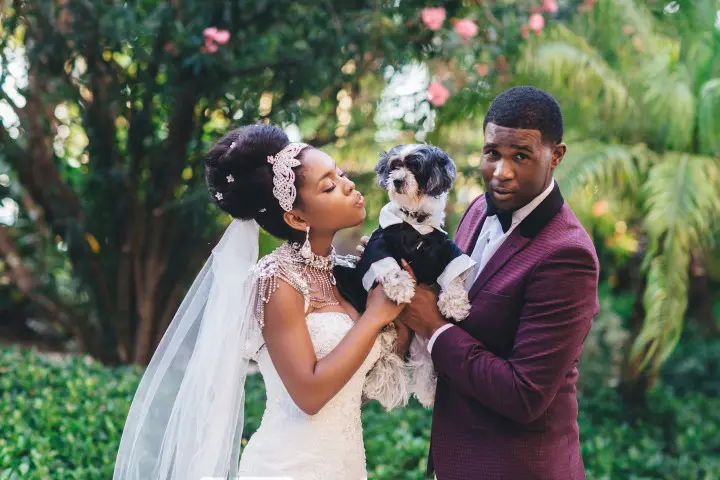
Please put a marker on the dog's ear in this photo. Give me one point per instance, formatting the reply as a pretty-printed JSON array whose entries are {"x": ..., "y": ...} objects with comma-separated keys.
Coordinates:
[
  {"x": 382, "y": 169},
  {"x": 443, "y": 173}
]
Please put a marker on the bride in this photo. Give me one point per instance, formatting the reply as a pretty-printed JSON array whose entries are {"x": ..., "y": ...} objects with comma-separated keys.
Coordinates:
[{"x": 319, "y": 358}]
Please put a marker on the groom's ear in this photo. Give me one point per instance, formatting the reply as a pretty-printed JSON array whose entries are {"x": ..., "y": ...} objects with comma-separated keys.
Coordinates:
[
  {"x": 558, "y": 153},
  {"x": 295, "y": 222}
]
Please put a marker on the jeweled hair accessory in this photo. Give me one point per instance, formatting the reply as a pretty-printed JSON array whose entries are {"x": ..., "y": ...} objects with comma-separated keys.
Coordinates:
[{"x": 283, "y": 175}]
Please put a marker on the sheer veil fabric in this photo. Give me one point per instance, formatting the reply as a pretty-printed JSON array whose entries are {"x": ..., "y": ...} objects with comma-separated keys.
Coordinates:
[{"x": 186, "y": 418}]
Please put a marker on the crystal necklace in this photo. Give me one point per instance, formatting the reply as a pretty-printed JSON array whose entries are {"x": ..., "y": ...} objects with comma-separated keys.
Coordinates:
[{"x": 319, "y": 277}]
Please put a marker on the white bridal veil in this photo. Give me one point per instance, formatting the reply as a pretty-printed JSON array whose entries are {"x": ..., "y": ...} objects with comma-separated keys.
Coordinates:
[{"x": 186, "y": 420}]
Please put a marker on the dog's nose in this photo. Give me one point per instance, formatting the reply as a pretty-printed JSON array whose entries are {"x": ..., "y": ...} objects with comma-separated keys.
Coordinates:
[{"x": 398, "y": 183}]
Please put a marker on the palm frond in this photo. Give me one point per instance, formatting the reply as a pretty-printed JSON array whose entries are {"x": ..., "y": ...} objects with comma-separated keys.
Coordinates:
[
  {"x": 603, "y": 166},
  {"x": 631, "y": 12},
  {"x": 669, "y": 102},
  {"x": 698, "y": 55},
  {"x": 613, "y": 23},
  {"x": 682, "y": 202},
  {"x": 620, "y": 13},
  {"x": 665, "y": 300},
  {"x": 709, "y": 117},
  {"x": 566, "y": 62},
  {"x": 696, "y": 17}
]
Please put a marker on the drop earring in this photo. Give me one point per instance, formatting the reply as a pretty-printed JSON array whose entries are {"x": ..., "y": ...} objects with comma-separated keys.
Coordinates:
[{"x": 306, "y": 251}]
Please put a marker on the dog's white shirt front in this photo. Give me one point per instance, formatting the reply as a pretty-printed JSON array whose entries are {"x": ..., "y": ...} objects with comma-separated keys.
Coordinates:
[{"x": 390, "y": 214}]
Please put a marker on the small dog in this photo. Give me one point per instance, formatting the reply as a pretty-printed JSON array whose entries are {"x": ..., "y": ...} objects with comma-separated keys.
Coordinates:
[{"x": 417, "y": 179}]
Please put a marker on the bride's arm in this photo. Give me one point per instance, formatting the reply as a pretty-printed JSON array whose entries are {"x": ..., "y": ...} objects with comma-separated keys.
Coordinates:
[{"x": 311, "y": 382}]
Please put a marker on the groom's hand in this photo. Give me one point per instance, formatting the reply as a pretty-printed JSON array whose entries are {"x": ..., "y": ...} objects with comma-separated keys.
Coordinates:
[
  {"x": 422, "y": 314},
  {"x": 404, "y": 337}
]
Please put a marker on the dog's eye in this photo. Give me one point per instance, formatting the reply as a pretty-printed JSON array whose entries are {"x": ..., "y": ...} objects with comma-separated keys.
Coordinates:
[
  {"x": 395, "y": 164},
  {"x": 412, "y": 162}
]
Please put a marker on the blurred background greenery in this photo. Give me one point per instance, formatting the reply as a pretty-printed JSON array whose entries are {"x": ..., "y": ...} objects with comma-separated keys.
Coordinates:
[{"x": 107, "y": 107}]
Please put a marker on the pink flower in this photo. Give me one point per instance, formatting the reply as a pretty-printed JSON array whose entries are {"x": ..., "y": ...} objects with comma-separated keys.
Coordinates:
[
  {"x": 213, "y": 38},
  {"x": 209, "y": 33},
  {"x": 433, "y": 18},
  {"x": 170, "y": 47},
  {"x": 222, "y": 37},
  {"x": 438, "y": 94},
  {"x": 525, "y": 31},
  {"x": 637, "y": 43},
  {"x": 466, "y": 29},
  {"x": 601, "y": 208},
  {"x": 209, "y": 47},
  {"x": 482, "y": 69},
  {"x": 537, "y": 22},
  {"x": 587, "y": 6},
  {"x": 550, "y": 6}
]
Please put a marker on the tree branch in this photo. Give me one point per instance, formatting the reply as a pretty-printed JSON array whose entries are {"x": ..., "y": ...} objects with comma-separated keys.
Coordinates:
[
  {"x": 54, "y": 311},
  {"x": 19, "y": 273}
]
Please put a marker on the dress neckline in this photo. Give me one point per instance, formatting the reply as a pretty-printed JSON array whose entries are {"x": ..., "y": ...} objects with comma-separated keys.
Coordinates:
[{"x": 343, "y": 314}]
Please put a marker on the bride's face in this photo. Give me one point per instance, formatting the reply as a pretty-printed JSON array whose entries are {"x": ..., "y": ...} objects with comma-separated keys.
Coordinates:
[{"x": 329, "y": 201}]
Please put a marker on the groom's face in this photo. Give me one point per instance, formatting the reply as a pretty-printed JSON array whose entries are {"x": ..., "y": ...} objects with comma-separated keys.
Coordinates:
[{"x": 517, "y": 165}]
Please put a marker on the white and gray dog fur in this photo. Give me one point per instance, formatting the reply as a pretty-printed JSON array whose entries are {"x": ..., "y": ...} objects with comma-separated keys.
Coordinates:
[{"x": 417, "y": 178}]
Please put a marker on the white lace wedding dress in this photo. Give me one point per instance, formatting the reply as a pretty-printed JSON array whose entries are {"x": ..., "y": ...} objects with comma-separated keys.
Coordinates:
[{"x": 290, "y": 444}]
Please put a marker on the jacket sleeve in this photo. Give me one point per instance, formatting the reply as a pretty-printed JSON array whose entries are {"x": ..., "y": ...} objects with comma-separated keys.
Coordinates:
[
  {"x": 377, "y": 259},
  {"x": 560, "y": 302}
]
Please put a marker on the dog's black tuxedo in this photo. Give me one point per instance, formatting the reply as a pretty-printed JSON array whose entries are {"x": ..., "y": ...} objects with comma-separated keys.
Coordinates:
[{"x": 434, "y": 258}]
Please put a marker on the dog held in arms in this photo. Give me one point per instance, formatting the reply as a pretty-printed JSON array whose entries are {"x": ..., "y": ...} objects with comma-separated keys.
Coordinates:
[{"x": 417, "y": 178}]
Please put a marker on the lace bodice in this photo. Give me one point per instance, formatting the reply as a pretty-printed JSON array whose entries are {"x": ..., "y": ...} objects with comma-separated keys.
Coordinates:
[
  {"x": 329, "y": 444},
  {"x": 326, "y": 331}
]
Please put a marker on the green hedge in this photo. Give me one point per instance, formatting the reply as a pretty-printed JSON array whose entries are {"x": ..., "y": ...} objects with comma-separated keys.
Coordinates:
[{"x": 62, "y": 419}]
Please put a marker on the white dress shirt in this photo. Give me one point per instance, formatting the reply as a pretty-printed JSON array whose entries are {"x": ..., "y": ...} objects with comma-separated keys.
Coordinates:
[{"x": 489, "y": 240}]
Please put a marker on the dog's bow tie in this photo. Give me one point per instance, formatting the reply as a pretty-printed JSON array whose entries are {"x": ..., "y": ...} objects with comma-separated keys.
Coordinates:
[
  {"x": 419, "y": 216},
  {"x": 502, "y": 215}
]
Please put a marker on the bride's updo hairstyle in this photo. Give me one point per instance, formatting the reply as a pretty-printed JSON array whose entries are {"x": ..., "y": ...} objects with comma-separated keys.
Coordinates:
[{"x": 240, "y": 179}]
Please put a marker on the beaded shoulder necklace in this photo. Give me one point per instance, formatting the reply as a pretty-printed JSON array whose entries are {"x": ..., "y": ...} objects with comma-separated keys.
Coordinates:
[{"x": 310, "y": 275}]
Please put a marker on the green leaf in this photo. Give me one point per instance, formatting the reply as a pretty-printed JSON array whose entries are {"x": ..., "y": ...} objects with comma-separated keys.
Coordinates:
[
  {"x": 570, "y": 65},
  {"x": 709, "y": 117},
  {"x": 604, "y": 166},
  {"x": 682, "y": 202},
  {"x": 669, "y": 104}
]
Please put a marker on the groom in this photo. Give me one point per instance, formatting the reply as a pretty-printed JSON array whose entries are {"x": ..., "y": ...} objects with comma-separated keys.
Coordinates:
[{"x": 505, "y": 405}]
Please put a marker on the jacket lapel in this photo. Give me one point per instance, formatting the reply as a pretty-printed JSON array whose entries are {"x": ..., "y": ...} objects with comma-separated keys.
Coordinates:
[
  {"x": 467, "y": 240},
  {"x": 518, "y": 239},
  {"x": 510, "y": 247}
]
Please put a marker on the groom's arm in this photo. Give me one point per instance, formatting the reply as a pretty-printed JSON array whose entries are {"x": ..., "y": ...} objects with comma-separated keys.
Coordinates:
[{"x": 560, "y": 302}]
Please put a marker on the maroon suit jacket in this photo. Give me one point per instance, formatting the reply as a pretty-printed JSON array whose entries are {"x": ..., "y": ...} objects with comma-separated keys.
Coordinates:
[{"x": 505, "y": 406}]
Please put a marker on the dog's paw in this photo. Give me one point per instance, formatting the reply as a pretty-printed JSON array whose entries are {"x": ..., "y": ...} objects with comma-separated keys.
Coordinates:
[
  {"x": 399, "y": 286},
  {"x": 454, "y": 305}
]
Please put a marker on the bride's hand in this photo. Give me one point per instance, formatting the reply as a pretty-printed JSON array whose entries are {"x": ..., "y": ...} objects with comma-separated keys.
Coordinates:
[
  {"x": 380, "y": 308},
  {"x": 363, "y": 243}
]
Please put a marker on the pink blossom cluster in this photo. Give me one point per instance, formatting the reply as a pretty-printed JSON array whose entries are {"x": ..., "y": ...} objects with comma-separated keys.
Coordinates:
[
  {"x": 214, "y": 38},
  {"x": 434, "y": 18}
]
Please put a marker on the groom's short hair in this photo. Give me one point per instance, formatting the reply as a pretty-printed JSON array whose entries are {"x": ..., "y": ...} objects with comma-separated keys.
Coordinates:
[{"x": 527, "y": 108}]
